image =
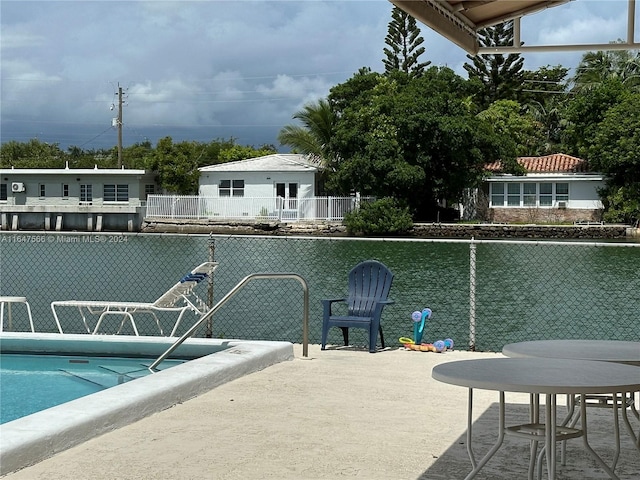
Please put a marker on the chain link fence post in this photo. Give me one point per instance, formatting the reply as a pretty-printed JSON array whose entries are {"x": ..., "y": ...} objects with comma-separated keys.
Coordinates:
[
  {"x": 472, "y": 295},
  {"x": 212, "y": 251}
]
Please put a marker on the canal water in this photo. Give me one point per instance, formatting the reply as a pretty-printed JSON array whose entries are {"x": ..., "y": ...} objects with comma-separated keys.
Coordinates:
[{"x": 509, "y": 291}]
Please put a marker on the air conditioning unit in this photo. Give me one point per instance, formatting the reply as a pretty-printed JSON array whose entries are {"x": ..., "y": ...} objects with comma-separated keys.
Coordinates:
[
  {"x": 17, "y": 187},
  {"x": 562, "y": 204}
]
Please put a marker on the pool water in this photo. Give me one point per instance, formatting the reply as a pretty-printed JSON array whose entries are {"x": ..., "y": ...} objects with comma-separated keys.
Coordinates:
[{"x": 31, "y": 383}]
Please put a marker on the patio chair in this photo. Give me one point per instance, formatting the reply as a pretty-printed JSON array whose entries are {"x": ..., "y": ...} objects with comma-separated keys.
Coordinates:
[
  {"x": 369, "y": 285},
  {"x": 180, "y": 298}
]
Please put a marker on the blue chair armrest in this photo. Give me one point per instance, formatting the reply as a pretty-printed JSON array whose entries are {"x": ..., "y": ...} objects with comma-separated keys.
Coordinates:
[
  {"x": 332, "y": 300},
  {"x": 327, "y": 303}
]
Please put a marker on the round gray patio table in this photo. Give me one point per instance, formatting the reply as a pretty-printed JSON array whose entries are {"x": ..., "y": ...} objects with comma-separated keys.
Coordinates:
[
  {"x": 603, "y": 350},
  {"x": 536, "y": 376}
]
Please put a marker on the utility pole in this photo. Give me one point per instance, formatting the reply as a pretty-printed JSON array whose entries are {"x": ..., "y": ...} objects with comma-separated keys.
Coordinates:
[{"x": 119, "y": 126}]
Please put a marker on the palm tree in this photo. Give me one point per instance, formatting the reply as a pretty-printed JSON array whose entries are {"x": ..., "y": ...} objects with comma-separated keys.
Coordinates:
[
  {"x": 548, "y": 116},
  {"x": 313, "y": 136},
  {"x": 596, "y": 67}
]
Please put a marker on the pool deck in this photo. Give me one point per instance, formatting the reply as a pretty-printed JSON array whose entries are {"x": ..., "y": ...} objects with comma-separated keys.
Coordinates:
[{"x": 339, "y": 413}]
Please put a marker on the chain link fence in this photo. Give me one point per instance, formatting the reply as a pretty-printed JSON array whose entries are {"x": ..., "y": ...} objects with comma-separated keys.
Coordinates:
[{"x": 483, "y": 294}]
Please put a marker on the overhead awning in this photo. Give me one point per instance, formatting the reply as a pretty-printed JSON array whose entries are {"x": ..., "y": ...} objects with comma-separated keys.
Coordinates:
[{"x": 460, "y": 21}]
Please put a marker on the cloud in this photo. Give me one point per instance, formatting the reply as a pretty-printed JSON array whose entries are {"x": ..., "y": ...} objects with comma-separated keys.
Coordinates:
[{"x": 201, "y": 70}]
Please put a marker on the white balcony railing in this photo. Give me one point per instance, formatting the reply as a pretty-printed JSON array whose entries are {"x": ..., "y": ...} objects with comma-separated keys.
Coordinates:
[{"x": 251, "y": 208}]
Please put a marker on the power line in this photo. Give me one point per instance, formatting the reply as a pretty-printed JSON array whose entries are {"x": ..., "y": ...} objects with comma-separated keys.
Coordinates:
[{"x": 89, "y": 141}]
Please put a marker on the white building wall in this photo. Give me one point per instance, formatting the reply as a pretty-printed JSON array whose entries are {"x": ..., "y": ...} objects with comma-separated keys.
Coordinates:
[
  {"x": 258, "y": 184},
  {"x": 53, "y": 184},
  {"x": 585, "y": 194},
  {"x": 30, "y": 211}
]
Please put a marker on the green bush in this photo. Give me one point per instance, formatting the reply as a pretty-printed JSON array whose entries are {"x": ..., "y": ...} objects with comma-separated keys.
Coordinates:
[{"x": 381, "y": 217}]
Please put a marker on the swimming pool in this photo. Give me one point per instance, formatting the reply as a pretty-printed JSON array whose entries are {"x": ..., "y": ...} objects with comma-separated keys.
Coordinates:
[
  {"x": 32, "y": 438},
  {"x": 31, "y": 383}
]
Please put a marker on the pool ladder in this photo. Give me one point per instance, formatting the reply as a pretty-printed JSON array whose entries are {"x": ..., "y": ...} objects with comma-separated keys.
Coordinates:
[{"x": 232, "y": 292}]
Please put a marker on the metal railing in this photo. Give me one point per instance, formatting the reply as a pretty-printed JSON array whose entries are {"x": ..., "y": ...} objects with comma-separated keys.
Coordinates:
[
  {"x": 251, "y": 208},
  {"x": 229, "y": 295}
]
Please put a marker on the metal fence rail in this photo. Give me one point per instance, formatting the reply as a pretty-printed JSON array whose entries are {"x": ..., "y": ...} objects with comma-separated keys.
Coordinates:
[
  {"x": 483, "y": 294},
  {"x": 251, "y": 208}
]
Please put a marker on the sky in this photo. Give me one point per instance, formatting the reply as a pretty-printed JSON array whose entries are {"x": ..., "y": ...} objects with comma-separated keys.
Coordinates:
[{"x": 212, "y": 69}]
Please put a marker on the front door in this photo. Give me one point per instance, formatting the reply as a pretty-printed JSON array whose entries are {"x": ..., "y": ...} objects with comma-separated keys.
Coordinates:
[{"x": 289, "y": 192}]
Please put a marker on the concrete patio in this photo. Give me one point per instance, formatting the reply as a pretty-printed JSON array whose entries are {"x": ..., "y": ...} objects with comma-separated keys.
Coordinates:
[{"x": 340, "y": 413}]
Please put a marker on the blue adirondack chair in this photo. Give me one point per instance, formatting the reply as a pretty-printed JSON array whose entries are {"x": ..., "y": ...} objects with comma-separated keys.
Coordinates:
[{"x": 369, "y": 285}]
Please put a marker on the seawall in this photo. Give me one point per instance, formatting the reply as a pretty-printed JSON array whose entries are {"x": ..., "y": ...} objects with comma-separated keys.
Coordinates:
[{"x": 420, "y": 230}]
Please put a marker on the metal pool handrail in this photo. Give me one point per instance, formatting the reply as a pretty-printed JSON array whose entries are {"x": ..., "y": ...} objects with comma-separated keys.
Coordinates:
[{"x": 232, "y": 292}]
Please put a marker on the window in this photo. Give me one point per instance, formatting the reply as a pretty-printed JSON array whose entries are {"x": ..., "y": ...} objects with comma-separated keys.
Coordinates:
[
  {"x": 231, "y": 188},
  {"x": 513, "y": 194},
  {"x": 42, "y": 189},
  {"x": 238, "y": 188},
  {"x": 562, "y": 192},
  {"x": 546, "y": 194},
  {"x": 293, "y": 195},
  {"x": 116, "y": 193},
  {"x": 3, "y": 191},
  {"x": 122, "y": 193},
  {"x": 86, "y": 193},
  {"x": 497, "y": 194},
  {"x": 529, "y": 194},
  {"x": 65, "y": 191},
  {"x": 224, "y": 190},
  {"x": 149, "y": 189}
]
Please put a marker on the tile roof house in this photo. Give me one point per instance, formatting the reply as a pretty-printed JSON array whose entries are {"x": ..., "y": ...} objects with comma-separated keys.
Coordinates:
[
  {"x": 555, "y": 163},
  {"x": 556, "y": 188}
]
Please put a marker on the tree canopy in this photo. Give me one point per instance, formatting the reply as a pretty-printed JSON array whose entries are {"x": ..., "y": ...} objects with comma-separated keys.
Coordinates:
[
  {"x": 410, "y": 138},
  {"x": 175, "y": 163},
  {"x": 615, "y": 151}
]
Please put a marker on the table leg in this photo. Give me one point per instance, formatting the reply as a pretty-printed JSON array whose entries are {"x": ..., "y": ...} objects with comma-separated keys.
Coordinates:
[
  {"x": 571, "y": 411},
  {"x": 635, "y": 438},
  {"x": 583, "y": 420},
  {"x": 501, "y": 427},
  {"x": 534, "y": 418},
  {"x": 633, "y": 406},
  {"x": 469, "y": 429},
  {"x": 550, "y": 435}
]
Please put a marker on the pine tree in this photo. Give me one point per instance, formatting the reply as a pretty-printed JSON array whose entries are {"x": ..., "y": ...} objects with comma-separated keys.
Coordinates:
[
  {"x": 404, "y": 42},
  {"x": 500, "y": 75}
]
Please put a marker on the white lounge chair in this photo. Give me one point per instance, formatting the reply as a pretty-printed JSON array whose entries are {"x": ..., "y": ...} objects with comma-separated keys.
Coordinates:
[{"x": 179, "y": 298}]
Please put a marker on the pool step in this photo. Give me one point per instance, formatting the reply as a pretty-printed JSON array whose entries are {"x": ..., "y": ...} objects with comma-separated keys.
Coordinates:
[{"x": 107, "y": 376}]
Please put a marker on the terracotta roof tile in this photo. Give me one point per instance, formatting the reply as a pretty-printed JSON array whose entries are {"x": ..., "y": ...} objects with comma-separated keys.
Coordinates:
[{"x": 555, "y": 163}]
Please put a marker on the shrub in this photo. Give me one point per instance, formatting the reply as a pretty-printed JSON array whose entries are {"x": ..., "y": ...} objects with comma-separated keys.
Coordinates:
[{"x": 381, "y": 217}]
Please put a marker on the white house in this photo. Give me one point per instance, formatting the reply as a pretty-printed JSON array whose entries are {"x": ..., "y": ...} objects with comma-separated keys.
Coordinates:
[
  {"x": 73, "y": 199},
  {"x": 269, "y": 183},
  {"x": 557, "y": 188},
  {"x": 278, "y": 175},
  {"x": 278, "y": 187}
]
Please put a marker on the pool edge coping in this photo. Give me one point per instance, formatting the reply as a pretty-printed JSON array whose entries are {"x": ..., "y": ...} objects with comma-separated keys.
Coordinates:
[{"x": 29, "y": 440}]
